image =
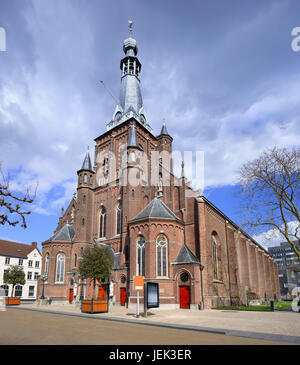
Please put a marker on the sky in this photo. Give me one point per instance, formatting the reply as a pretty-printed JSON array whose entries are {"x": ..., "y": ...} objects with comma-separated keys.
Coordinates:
[{"x": 222, "y": 74}]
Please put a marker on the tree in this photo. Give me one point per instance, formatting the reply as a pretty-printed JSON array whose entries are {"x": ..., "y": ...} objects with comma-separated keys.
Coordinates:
[
  {"x": 14, "y": 275},
  {"x": 96, "y": 263},
  {"x": 12, "y": 205},
  {"x": 270, "y": 194}
]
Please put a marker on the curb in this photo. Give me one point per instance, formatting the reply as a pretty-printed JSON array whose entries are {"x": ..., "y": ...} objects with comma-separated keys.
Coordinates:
[{"x": 226, "y": 332}]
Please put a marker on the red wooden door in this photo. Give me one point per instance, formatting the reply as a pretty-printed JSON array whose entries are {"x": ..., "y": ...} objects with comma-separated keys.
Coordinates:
[
  {"x": 71, "y": 296},
  {"x": 184, "y": 297},
  {"x": 102, "y": 292},
  {"x": 122, "y": 296}
]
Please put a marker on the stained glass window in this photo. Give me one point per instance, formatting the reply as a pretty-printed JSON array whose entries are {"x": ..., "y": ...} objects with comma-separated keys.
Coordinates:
[
  {"x": 60, "y": 267},
  {"x": 141, "y": 256},
  {"x": 161, "y": 255}
]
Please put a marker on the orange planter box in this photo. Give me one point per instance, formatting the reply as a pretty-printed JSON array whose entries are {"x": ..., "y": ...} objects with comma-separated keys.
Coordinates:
[
  {"x": 94, "y": 306},
  {"x": 12, "y": 301}
]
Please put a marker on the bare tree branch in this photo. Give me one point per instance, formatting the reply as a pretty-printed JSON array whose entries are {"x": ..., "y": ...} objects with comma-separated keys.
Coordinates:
[
  {"x": 269, "y": 192},
  {"x": 13, "y": 206}
]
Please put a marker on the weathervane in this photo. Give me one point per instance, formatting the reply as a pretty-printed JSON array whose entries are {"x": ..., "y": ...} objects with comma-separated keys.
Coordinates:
[{"x": 130, "y": 27}]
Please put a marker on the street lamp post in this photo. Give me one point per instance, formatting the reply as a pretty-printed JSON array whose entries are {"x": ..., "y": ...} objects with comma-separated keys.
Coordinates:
[
  {"x": 81, "y": 290},
  {"x": 43, "y": 277}
]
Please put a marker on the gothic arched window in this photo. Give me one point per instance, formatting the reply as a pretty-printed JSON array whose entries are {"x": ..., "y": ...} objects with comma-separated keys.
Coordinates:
[
  {"x": 140, "y": 256},
  {"x": 214, "y": 255},
  {"x": 161, "y": 255},
  {"x": 60, "y": 268},
  {"x": 119, "y": 218},
  {"x": 102, "y": 227},
  {"x": 47, "y": 260}
]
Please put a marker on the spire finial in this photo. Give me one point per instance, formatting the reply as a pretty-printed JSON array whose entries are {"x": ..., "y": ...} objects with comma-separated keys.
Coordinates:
[{"x": 130, "y": 27}]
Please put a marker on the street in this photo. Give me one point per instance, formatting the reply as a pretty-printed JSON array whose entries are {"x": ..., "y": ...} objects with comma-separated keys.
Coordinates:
[{"x": 22, "y": 327}]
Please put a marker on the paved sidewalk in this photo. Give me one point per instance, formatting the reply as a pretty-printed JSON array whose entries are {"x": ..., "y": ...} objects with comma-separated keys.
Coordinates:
[{"x": 277, "y": 326}]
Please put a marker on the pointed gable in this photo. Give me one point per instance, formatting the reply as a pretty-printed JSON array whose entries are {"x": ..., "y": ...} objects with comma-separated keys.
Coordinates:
[
  {"x": 66, "y": 234},
  {"x": 186, "y": 256},
  {"x": 156, "y": 209}
]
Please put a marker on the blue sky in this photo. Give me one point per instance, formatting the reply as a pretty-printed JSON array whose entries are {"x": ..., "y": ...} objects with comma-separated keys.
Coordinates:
[{"x": 222, "y": 74}]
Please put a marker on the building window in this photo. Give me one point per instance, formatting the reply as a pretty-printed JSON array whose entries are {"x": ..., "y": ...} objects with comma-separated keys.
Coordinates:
[
  {"x": 29, "y": 275},
  {"x": 7, "y": 260},
  {"x": 6, "y": 288},
  {"x": 82, "y": 222},
  {"x": 37, "y": 264},
  {"x": 140, "y": 256},
  {"x": 84, "y": 199},
  {"x": 102, "y": 228},
  {"x": 132, "y": 194},
  {"x": 91, "y": 180},
  {"x": 161, "y": 255},
  {"x": 30, "y": 263},
  {"x": 20, "y": 262},
  {"x": 31, "y": 291},
  {"x": 214, "y": 255},
  {"x": 36, "y": 275},
  {"x": 60, "y": 267},
  {"x": 47, "y": 263},
  {"x": 119, "y": 219},
  {"x": 18, "y": 290},
  {"x": 75, "y": 264},
  {"x": 85, "y": 178},
  {"x": 81, "y": 251}
]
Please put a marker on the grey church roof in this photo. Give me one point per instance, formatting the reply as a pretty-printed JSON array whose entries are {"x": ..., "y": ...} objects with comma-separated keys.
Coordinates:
[
  {"x": 186, "y": 256},
  {"x": 87, "y": 165},
  {"x": 132, "y": 138},
  {"x": 66, "y": 233},
  {"x": 164, "y": 130},
  {"x": 156, "y": 209}
]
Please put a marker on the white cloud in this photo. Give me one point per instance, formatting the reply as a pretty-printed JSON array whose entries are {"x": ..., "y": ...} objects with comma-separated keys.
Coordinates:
[{"x": 273, "y": 237}]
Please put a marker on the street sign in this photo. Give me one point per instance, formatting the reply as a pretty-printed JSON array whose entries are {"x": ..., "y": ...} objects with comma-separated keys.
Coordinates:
[{"x": 138, "y": 283}]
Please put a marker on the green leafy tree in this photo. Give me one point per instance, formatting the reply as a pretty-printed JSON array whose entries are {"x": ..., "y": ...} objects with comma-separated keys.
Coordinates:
[
  {"x": 96, "y": 263},
  {"x": 14, "y": 275}
]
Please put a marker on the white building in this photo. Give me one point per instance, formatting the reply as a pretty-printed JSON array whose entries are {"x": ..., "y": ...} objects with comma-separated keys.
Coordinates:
[{"x": 26, "y": 256}]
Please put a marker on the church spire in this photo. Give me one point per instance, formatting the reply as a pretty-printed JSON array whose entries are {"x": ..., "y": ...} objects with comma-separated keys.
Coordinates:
[
  {"x": 87, "y": 165},
  {"x": 130, "y": 103}
]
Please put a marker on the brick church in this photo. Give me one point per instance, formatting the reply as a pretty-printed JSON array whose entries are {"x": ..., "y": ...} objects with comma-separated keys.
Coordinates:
[{"x": 153, "y": 222}]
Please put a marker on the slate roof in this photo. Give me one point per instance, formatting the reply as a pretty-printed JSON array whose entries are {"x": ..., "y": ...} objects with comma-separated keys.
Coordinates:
[
  {"x": 156, "y": 209},
  {"x": 186, "y": 256},
  {"x": 132, "y": 138},
  {"x": 164, "y": 129},
  {"x": 87, "y": 165},
  {"x": 66, "y": 233},
  {"x": 15, "y": 249}
]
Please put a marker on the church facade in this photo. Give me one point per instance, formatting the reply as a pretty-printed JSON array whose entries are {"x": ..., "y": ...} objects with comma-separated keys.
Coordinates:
[{"x": 153, "y": 222}]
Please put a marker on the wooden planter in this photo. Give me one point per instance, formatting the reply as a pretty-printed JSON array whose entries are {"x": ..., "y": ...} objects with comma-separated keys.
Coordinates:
[
  {"x": 12, "y": 301},
  {"x": 94, "y": 306}
]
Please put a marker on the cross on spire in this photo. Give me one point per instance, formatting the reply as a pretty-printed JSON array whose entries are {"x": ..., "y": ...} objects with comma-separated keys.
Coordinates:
[{"x": 130, "y": 27}]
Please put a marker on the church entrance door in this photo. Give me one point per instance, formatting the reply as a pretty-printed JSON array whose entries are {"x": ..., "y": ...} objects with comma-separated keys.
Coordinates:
[
  {"x": 184, "y": 297},
  {"x": 122, "y": 296},
  {"x": 71, "y": 291}
]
